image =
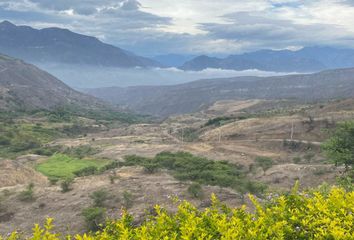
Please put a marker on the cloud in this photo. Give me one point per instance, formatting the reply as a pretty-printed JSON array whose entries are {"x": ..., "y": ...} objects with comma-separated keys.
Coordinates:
[{"x": 151, "y": 27}]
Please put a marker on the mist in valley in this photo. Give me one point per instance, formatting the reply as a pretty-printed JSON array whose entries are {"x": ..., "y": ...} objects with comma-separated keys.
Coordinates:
[{"x": 84, "y": 76}]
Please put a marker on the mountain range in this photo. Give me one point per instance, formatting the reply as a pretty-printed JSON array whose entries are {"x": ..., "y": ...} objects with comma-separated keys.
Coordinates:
[
  {"x": 308, "y": 59},
  {"x": 193, "y": 96},
  {"x": 63, "y": 46}
]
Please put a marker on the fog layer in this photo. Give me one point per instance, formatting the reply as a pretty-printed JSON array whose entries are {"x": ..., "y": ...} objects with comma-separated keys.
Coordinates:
[{"x": 78, "y": 76}]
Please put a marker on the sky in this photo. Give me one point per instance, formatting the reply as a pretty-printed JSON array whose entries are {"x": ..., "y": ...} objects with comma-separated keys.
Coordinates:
[{"x": 213, "y": 27}]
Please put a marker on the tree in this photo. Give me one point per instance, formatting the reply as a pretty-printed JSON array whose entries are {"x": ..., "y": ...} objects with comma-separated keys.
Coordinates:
[
  {"x": 99, "y": 197},
  {"x": 340, "y": 147}
]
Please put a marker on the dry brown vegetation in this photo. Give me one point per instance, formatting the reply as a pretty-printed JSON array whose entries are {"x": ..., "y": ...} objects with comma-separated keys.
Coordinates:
[{"x": 239, "y": 141}]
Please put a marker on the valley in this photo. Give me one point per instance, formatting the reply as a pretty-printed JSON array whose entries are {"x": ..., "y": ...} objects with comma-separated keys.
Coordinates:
[{"x": 270, "y": 143}]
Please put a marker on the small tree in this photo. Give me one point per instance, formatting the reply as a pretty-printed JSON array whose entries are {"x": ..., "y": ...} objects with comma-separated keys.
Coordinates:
[
  {"x": 264, "y": 162},
  {"x": 27, "y": 195},
  {"x": 340, "y": 147},
  {"x": 127, "y": 199},
  {"x": 94, "y": 216},
  {"x": 99, "y": 197},
  {"x": 66, "y": 185},
  {"x": 195, "y": 190}
]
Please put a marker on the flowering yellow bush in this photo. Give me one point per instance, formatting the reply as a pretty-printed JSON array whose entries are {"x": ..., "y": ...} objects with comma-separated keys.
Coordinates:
[{"x": 307, "y": 215}]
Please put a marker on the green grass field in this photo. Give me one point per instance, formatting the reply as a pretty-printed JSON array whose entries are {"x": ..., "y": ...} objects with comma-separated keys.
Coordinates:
[{"x": 63, "y": 166}]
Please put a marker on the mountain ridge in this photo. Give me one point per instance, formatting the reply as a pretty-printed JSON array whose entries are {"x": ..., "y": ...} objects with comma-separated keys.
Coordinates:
[
  {"x": 193, "y": 96},
  {"x": 23, "y": 86},
  {"x": 307, "y": 59},
  {"x": 64, "y": 46}
]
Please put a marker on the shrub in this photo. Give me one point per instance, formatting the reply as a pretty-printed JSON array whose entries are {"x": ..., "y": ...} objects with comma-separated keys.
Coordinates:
[
  {"x": 340, "y": 147},
  {"x": 5, "y": 141},
  {"x": 296, "y": 160},
  {"x": 306, "y": 215},
  {"x": 195, "y": 190},
  {"x": 151, "y": 167},
  {"x": 87, "y": 171},
  {"x": 81, "y": 151},
  {"x": 99, "y": 197},
  {"x": 127, "y": 199},
  {"x": 309, "y": 156},
  {"x": 66, "y": 185},
  {"x": 27, "y": 195},
  {"x": 185, "y": 166},
  {"x": 264, "y": 162},
  {"x": 94, "y": 216},
  {"x": 53, "y": 181}
]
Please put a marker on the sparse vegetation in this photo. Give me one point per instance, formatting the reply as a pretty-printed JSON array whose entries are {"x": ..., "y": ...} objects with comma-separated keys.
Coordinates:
[
  {"x": 195, "y": 190},
  {"x": 309, "y": 156},
  {"x": 99, "y": 197},
  {"x": 27, "y": 194},
  {"x": 185, "y": 166},
  {"x": 94, "y": 216},
  {"x": 66, "y": 185},
  {"x": 297, "y": 160},
  {"x": 264, "y": 162},
  {"x": 128, "y": 199}
]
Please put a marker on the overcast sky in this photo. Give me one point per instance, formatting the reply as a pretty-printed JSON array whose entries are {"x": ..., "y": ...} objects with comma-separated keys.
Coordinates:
[{"x": 152, "y": 27}]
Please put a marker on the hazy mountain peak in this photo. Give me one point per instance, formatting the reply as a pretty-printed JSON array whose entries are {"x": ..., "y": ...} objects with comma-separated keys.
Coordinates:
[
  {"x": 6, "y": 24},
  {"x": 60, "y": 45}
]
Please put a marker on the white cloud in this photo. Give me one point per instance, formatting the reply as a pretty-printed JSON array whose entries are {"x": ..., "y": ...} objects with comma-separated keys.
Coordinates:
[{"x": 188, "y": 26}]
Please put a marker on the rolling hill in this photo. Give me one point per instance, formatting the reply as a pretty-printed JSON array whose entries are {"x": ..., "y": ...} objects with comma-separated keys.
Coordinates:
[
  {"x": 190, "y": 97},
  {"x": 24, "y": 86}
]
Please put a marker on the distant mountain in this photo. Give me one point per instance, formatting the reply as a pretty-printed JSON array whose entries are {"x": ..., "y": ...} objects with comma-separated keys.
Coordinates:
[
  {"x": 193, "y": 96},
  {"x": 24, "y": 86},
  {"x": 308, "y": 59},
  {"x": 63, "y": 46},
  {"x": 173, "y": 60}
]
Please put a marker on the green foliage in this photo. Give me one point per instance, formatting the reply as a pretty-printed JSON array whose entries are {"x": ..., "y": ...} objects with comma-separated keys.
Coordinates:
[
  {"x": 127, "y": 199},
  {"x": 188, "y": 134},
  {"x": 264, "y": 162},
  {"x": 66, "y": 185},
  {"x": 81, "y": 151},
  {"x": 27, "y": 195},
  {"x": 340, "y": 147},
  {"x": 309, "y": 156},
  {"x": 94, "y": 217},
  {"x": 185, "y": 166},
  {"x": 218, "y": 121},
  {"x": 99, "y": 197},
  {"x": 195, "y": 190},
  {"x": 296, "y": 160},
  {"x": 305, "y": 215},
  {"x": 86, "y": 171},
  {"x": 64, "y": 166}
]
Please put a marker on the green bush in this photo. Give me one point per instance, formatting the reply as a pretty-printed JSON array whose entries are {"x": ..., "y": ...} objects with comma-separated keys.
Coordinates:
[
  {"x": 296, "y": 160},
  {"x": 127, "y": 199},
  {"x": 87, "y": 171},
  {"x": 264, "y": 162},
  {"x": 94, "y": 217},
  {"x": 99, "y": 197},
  {"x": 66, "y": 185},
  {"x": 27, "y": 195},
  {"x": 195, "y": 190},
  {"x": 185, "y": 166}
]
